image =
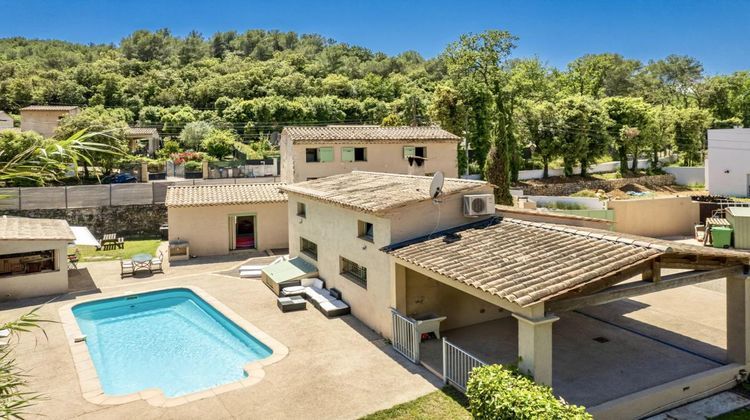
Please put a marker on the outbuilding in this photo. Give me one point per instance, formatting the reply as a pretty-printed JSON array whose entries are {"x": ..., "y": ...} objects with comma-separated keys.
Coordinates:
[
  {"x": 223, "y": 218},
  {"x": 33, "y": 257}
]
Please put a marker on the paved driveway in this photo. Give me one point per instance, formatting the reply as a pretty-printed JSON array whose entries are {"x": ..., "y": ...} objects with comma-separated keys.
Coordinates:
[{"x": 336, "y": 368}]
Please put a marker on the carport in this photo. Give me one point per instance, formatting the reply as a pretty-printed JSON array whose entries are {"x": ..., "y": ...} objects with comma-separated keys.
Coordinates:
[{"x": 525, "y": 285}]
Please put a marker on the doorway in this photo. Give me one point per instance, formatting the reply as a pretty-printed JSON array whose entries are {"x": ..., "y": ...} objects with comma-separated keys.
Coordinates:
[{"x": 243, "y": 235}]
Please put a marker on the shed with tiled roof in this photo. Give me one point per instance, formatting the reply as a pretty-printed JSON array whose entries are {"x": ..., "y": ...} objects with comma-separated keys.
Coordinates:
[{"x": 217, "y": 219}]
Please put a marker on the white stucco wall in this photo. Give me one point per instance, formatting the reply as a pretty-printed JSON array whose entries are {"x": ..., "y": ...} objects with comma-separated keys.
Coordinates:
[
  {"x": 729, "y": 156},
  {"x": 334, "y": 229}
]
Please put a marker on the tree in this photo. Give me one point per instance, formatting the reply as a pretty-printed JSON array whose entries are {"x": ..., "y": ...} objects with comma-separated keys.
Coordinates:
[
  {"x": 448, "y": 109},
  {"x": 15, "y": 398},
  {"x": 583, "y": 133},
  {"x": 482, "y": 59},
  {"x": 629, "y": 116},
  {"x": 659, "y": 133},
  {"x": 193, "y": 134},
  {"x": 148, "y": 46},
  {"x": 107, "y": 128},
  {"x": 219, "y": 143},
  {"x": 690, "y": 133},
  {"x": 192, "y": 48},
  {"x": 671, "y": 81},
  {"x": 539, "y": 128},
  {"x": 600, "y": 75}
]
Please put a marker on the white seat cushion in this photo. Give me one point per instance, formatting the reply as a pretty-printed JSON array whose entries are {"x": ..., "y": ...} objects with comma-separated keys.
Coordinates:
[
  {"x": 250, "y": 273},
  {"x": 252, "y": 267},
  {"x": 333, "y": 305},
  {"x": 293, "y": 290},
  {"x": 318, "y": 295},
  {"x": 318, "y": 284}
]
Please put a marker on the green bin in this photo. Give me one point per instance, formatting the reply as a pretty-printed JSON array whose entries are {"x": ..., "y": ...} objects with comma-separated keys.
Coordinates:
[{"x": 721, "y": 236}]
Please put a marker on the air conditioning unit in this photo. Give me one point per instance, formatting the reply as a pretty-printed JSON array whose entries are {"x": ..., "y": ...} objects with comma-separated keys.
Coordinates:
[{"x": 479, "y": 205}]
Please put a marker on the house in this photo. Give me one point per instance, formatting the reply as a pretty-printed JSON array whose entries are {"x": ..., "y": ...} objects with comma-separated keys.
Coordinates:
[
  {"x": 149, "y": 138},
  {"x": 728, "y": 165},
  {"x": 223, "y": 218},
  {"x": 506, "y": 289},
  {"x": 341, "y": 222},
  {"x": 33, "y": 257},
  {"x": 6, "y": 121},
  {"x": 316, "y": 152},
  {"x": 44, "y": 119}
]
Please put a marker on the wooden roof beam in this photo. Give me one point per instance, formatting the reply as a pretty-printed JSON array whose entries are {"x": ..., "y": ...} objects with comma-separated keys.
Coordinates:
[{"x": 638, "y": 288}]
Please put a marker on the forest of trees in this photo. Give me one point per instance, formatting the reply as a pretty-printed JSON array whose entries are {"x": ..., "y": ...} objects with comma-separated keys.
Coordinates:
[{"x": 517, "y": 113}]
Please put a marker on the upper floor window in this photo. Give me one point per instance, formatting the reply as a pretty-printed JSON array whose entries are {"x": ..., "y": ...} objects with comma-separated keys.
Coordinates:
[
  {"x": 365, "y": 230},
  {"x": 354, "y": 154},
  {"x": 301, "y": 210},
  {"x": 320, "y": 154}
]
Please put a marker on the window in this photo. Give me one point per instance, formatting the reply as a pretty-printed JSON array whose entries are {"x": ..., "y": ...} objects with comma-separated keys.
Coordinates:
[
  {"x": 354, "y": 154},
  {"x": 354, "y": 272},
  {"x": 309, "y": 248},
  {"x": 364, "y": 230},
  {"x": 301, "y": 210},
  {"x": 412, "y": 151},
  {"x": 311, "y": 155}
]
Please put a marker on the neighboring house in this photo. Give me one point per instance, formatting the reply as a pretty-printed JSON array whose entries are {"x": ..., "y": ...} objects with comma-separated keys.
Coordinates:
[
  {"x": 44, "y": 119},
  {"x": 137, "y": 136},
  {"x": 219, "y": 219},
  {"x": 6, "y": 121},
  {"x": 503, "y": 286},
  {"x": 728, "y": 165},
  {"x": 33, "y": 257},
  {"x": 316, "y": 152}
]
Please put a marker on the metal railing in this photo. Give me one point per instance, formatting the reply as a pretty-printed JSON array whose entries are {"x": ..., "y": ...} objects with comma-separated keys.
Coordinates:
[
  {"x": 457, "y": 365},
  {"x": 406, "y": 340}
]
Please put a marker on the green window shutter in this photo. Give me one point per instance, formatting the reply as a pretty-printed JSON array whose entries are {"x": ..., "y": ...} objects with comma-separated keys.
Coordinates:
[
  {"x": 409, "y": 151},
  {"x": 325, "y": 154},
  {"x": 347, "y": 154}
]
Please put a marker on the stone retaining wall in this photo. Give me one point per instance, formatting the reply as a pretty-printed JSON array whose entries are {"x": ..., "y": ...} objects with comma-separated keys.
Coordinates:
[
  {"x": 134, "y": 220},
  {"x": 569, "y": 188}
]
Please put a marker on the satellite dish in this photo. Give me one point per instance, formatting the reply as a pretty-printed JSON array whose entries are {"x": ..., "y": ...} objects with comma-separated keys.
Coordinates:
[{"x": 436, "y": 187}]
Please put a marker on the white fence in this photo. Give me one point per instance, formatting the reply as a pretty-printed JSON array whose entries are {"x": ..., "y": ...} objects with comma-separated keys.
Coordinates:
[
  {"x": 593, "y": 169},
  {"x": 457, "y": 365},
  {"x": 406, "y": 340},
  {"x": 687, "y": 175}
]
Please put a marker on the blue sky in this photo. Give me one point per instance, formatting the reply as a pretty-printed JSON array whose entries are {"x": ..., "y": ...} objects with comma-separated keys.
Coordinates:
[{"x": 713, "y": 31}]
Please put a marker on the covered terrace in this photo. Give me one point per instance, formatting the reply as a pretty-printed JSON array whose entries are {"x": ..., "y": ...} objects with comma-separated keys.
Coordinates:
[{"x": 555, "y": 299}]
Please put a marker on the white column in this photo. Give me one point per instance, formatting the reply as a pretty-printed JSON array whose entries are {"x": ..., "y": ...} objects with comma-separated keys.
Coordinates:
[
  {"x": 738, "y": 319},
  {"x": 535, "y": 347}
]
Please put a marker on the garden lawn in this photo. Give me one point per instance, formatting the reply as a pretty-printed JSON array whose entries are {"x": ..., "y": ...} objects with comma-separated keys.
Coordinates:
[
  {"x": 445, "y": 404},
  {"x": 132, "y": 247}
]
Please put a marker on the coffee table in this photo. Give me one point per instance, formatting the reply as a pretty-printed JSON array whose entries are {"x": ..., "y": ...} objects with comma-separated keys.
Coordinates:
[
  {"x": 291, "y": 303},
  {"x": 142, "y": 261}
]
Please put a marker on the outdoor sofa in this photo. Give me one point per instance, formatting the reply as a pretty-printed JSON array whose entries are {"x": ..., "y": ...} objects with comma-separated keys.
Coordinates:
[{"x": 326, "y": 301}]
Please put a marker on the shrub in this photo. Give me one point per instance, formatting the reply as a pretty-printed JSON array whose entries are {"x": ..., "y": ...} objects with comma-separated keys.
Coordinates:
[
  {"x": 219, "y": 143},
  {"x": 497, "y": 392},
  {"x": 194, "y": 166},
  {"x": 561, "y": 205},
  {"x": 585, "y": 193}
]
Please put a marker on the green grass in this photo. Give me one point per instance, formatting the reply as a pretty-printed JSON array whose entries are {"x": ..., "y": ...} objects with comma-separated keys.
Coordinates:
[
  {"x": 132, "y": 247},
  {"x": 741, "y": 414},
  {"x": 445, "y": 404}
]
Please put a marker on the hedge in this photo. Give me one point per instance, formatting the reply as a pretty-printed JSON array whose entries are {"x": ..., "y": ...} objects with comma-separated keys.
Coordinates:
[{"x": 498, "y": 392}]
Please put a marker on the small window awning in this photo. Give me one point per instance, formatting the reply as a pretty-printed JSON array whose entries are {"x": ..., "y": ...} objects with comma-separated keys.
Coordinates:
[
  {"x": 294, "y": 269},
  {"x": 83, "y": 236}
]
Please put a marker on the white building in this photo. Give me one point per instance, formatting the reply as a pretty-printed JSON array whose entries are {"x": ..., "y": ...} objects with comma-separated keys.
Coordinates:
[{"x": 728, "y": 163}]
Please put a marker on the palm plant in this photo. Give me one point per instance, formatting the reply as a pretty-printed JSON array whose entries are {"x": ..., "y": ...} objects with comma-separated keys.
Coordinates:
[{"x": 15, "y": 399}]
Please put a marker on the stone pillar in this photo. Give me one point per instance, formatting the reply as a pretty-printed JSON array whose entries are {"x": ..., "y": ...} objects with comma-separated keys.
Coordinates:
[
  {"x": 535, "y": 347},
  {"x": 144, "y": 172},
  {"x": 398, "y": 289},
  {"x": 738, "y": 321},
  {"x": 205, "y": 169}
]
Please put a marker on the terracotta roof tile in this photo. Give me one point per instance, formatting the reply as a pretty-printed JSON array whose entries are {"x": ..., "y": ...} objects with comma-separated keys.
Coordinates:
[
  {"x": 49, "y": 108},
  {"x": 140, "y": 131},
  {"x": 24, "y": 228},
  {"x": 527, "y": 262},
  {"x": 376, "y": 192},
  {"x": 368, "y": 133},
  {"x": 221, "y": 194}
]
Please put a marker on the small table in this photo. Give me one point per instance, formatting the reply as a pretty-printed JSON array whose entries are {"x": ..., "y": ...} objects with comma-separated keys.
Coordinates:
[
  {"x": 142, "y": 261},
  {"x": 291, "y": 303}
]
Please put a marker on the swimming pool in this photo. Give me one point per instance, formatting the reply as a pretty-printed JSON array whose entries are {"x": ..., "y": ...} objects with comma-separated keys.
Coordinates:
[{"x": 169, "y": 339}]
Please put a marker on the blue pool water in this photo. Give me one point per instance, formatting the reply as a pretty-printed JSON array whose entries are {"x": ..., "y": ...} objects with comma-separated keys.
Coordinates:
[{"x": 170, "y": 339}]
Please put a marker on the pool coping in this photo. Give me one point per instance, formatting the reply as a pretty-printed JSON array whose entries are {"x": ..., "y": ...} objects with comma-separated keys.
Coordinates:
[{"x": 88, "y": 378}]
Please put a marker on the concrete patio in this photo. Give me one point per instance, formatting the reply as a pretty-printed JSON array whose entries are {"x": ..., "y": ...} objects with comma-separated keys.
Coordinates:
[
  {"x": 608, "y": 351},
  {"x": 336, "y": 368}
]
